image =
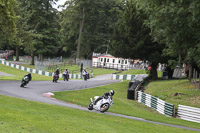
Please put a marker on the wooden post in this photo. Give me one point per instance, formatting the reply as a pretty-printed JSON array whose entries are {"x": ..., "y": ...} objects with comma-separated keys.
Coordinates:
[
  {"x": 174, "y": 111},
  {"x": 193, "y": 76},
  {"x": 199, "y": 81}
]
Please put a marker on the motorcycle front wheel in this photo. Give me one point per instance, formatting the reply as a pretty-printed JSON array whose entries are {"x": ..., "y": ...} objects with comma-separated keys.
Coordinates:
[
  {"x": 90, "y": 106},
  {"x": 104, "y": 107},
  {"x": 22, "y": 85}
]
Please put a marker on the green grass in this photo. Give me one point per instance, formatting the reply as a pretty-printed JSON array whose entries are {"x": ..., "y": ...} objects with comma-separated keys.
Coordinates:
[
  {"x": 101, "y": 71},
  {"x": 165, "y": 89},
  {"x": 18, "y": 74},
  {"x": 19, "y": 115},
  {"x": 133, "y": 71},
  {"x": 121, "y": 104},
  {"x": 138, "y": 71}
]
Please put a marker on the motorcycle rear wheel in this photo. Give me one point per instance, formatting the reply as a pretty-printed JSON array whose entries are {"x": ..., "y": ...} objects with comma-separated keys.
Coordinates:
[{"x": 104, "y": 107}]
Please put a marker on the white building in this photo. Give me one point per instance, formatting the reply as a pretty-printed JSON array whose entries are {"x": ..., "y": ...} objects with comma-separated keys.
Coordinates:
[{"x": 109, "y": 61}]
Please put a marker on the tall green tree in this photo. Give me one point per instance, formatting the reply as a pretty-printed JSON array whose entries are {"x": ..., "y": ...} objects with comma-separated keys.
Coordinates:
[
  {"x": 133, "y": 40},
  {"x": 41, "y": 21},
  {"x": 176, "y": 24},
  {"x": 88, "y": 25},
  {"x": 7, "y": 22}
]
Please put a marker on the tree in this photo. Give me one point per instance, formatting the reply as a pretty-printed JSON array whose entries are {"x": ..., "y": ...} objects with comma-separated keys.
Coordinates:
[
  {"x": 7, "y": 21},
  {"x": 133, "y": 40},
  {"x": 88, "y": 25},
  {"x": 175, "y": 24},
  {"x": 41, "y": 21}
]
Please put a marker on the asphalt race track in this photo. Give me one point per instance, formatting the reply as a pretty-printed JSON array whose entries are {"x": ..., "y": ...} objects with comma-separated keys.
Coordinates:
[{"x": 35, "y": 89}]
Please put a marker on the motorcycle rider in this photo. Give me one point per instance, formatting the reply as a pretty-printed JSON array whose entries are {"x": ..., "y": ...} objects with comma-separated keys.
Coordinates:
[
  {"x": 66, "y": 74},
  {"x": 56, "y": 74},
  {"x": 29, "y": 78},
  {"x": 84, "y": 72},
  {"x": 105, "y": 95}
]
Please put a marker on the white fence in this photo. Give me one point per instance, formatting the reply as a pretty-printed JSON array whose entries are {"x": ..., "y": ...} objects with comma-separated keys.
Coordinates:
[{"x": 189, "y": 113}]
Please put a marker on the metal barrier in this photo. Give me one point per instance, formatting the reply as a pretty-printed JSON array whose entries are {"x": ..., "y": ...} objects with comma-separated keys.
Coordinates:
[
  {"x": 189, "y": 113},
  {"x": 156, "y": 103}
]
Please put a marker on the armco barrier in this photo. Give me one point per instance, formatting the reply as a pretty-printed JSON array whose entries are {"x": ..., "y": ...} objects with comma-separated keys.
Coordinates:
[
  {"x": 122, "y": 77},
  {"x": 40, "y": 72},
  {"x": 189, "y": 113},
  {"x": 156, "y": 103}
]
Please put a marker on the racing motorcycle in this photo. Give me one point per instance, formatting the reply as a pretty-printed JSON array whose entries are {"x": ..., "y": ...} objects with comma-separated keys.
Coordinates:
[
  {"x": 102, "y": 104},
  {"x": 25, "y": 81},
  {"x": 85, "y": 77},
  {"x": 55, "y": 77}
]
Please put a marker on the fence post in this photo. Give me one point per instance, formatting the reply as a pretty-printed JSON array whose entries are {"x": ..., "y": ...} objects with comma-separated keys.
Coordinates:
[
  {"x": 199, "y": 81},
  {"x": 193, "y": 76},
  {"x": 174, "y": 111}
]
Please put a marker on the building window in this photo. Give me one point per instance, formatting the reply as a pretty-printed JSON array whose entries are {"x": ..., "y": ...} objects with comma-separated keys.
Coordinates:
[
  {"x": 113, "y": 60},
  {"x": 119, "y": 62},
  {"x": 101, "y": 59},
  {"x": 107, "y": 60},
  {"x": 125, "y": 61}
]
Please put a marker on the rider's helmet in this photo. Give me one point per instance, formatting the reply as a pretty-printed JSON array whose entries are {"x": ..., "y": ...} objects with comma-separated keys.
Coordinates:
[{"x": 112, "y": 92}]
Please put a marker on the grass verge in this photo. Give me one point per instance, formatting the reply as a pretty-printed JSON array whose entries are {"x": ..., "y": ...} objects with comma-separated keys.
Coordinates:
[
  {"x": 121, "y": 104},
  {"x": 19, "y": 74},
  {"x": 175, "y": 91},
  {"x": 19, "y": 115}
]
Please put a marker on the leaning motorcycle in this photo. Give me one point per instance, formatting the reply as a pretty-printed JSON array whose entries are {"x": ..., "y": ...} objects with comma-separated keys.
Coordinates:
[
  {"x": 55, "y": 77},
  {"x": 85, "y": 77},
  {"x": 25, "y": 81},
  {"x": 101, "y": 105}
]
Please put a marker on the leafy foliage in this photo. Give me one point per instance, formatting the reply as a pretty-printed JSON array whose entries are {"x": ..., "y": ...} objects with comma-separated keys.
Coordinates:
[
  {"x": 41, "y": 24},
  {"x": 99, "y": 17},
  {"x": 8, "y": 20},
  {"x": 133, "y": 40}
]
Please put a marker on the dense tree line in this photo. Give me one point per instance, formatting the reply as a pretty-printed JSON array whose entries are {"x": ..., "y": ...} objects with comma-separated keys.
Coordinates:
[{"x": 158, "y": 31}]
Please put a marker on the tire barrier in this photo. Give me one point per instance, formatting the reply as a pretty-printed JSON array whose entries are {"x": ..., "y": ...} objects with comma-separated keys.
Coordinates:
[
  {"x": 40, "y": 72},
  {"x": 189, "y": 113},
  {"x": 135, "y": 85},
  {"x": 157, "y": 104}
]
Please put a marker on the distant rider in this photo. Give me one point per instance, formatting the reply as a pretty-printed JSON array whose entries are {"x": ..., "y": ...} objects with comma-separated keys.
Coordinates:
[
  {"x": 25, "y": 80},
  {"x": 105, "y": 95},
  {"x": 84, "y": 72},
  {"x": 29, "y": 77},
  {"x": 66, "y": 74},
  {"x": 57, "y": 72}
]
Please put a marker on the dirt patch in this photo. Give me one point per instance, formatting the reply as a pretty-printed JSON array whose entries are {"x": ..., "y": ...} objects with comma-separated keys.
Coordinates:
[{"x": 195, "y": 100}]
